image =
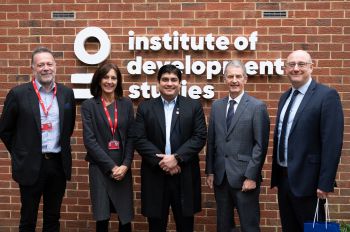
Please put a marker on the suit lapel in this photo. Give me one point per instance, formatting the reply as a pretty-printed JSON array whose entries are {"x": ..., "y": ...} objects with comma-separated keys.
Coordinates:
[
  {"x": 308, "y": 95},
  {"x": 100, "y": 109},
  {"x": 121, "y": 113},
  {"x": 34, "y": 103},
  {"x": 281, "y": 104},
  {"x": 120, "y": 108},
  {"x": 280, "y": 107},
  {"x": 60, "y": 102},
  {"x": 221, "y": 114},
  {"x": 159, "y": 112},
  {"x": 176, "y": 113},
  {"x": 240, "y": 109}
]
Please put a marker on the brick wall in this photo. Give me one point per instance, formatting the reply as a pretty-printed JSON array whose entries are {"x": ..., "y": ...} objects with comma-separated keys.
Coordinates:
[{"x": 321, "y": 27}]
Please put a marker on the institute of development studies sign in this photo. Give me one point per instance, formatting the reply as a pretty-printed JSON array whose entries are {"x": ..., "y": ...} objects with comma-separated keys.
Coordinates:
[{"x": 168, "y": 42}]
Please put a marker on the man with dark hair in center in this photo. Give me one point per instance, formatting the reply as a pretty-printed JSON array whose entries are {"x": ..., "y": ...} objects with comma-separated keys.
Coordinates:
[{"x": 169, "y": 132}]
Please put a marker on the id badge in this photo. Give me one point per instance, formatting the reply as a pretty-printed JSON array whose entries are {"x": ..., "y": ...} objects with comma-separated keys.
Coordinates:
[
  {"x": 46, "y": 126},
  {"x": 113, "y": 145}
]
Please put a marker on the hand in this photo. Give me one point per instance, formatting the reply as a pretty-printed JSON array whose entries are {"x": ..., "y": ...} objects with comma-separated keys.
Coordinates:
[
  {"x": 210, "y": 180},
  {"x": 168, "y": 162},
  {"x": 321, "y": 194},
  {"x": 114, "y": 169},
  {"x": 248, "y": 185},
  {"x": 119, "y": 172},
  {"x": 175, "y": 170}
]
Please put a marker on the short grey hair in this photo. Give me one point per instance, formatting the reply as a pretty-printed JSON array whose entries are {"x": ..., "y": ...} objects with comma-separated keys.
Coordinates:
[
  {"x": 38, "y": 50},
  {"x": 236, "y": 64}
]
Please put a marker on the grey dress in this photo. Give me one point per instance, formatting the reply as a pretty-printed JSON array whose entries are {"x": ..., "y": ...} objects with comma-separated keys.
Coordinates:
[{"x": 108, "y": 194}]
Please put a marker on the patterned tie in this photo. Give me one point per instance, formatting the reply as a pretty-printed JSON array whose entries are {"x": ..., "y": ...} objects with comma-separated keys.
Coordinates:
[
  {"x": 230, "y": 113},
  {"x": 281, "y": 147}
]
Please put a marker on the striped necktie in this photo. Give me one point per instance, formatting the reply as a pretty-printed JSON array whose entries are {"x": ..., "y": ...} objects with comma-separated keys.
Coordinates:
[{"x": 230, "y": 113}]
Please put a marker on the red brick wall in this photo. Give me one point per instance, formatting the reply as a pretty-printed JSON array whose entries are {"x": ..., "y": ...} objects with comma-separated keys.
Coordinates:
[{"x": 321, "y": 27}]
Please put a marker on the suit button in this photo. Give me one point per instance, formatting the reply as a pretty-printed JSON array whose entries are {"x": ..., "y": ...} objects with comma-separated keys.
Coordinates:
[{"x": 226, "y": 156}]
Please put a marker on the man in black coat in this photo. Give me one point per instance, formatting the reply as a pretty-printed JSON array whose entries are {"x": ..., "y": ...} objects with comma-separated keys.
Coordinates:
[
  {"x": 169, "y": 133},
  {"x": 36, "y": 125}
]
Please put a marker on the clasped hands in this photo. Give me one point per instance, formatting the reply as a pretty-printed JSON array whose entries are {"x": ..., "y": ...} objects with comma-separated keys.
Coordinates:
[
  {"x": 169, "y": 164},
  {"x": 118, "y": 172}
]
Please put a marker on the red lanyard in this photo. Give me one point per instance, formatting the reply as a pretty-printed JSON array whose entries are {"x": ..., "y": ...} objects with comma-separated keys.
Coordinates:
[
  {"x": 113, "y": 127},
  {"x": 46, "y": 111}
]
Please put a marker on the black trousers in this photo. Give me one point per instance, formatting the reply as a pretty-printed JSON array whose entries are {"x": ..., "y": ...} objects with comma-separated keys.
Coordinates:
[
  {"x": 102, "y": 226},
  {"x": 294, "y": 211},
  {"x": 51, "y": 184},
  {"x": 172, "y": 197}
]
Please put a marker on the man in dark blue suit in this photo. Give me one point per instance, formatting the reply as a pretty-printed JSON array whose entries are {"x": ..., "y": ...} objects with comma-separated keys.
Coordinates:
[{"x": 308, "y": 140}]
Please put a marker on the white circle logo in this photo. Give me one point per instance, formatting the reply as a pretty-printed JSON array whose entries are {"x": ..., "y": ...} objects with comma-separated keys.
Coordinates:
[{"x": 79, "y": 45}]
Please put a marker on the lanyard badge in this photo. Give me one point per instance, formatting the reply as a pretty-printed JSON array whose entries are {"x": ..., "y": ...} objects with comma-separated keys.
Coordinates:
[
  {"x": 45, "y": 126},
  {"x": 113, "y": 144}
]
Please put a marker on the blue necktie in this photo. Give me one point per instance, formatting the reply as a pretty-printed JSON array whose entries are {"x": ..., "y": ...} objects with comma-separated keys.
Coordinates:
[
  {"x": 281, "y": 146},
  {"x": 230, "y": 113}
]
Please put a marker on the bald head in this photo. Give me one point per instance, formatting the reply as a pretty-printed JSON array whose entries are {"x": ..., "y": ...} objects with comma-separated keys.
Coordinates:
[{"x": 300, "y": 53}]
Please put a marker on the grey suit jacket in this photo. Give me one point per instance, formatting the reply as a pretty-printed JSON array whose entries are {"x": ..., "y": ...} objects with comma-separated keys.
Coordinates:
[{"x": 239, "y": 151}]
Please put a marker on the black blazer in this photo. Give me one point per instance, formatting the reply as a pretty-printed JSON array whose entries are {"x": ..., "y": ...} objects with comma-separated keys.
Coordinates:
[
  {"x": 315, "y": 142},
  {"x": 97, "y": 132},
  {"x": 20, "y": 130},
  {"x": 96, "y": 135},
  {"x": 149, "y": 140}
]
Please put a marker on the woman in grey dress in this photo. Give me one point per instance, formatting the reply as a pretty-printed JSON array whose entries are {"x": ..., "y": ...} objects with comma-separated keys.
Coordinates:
[{"x": 107, "y": 119}]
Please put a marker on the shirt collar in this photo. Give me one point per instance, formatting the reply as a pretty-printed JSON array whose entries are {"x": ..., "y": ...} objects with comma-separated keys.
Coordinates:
[
  {"x": 303, "y": 88},
  {"x": 40, "y": 87},
  {"x": 167, "y": 102},
  {"x": 237, "y": 99}
]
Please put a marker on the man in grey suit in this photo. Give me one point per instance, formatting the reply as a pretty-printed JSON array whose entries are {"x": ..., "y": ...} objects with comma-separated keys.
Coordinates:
[{"x": 238, "y": 138}]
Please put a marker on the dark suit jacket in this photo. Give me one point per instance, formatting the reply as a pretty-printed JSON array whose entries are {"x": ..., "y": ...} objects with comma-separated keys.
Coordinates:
[
  {"x": 315, "y": 142},
  {"x": 96, "y": 135},
  {"x": 239, "y": 151},
  {"x": 149, "y": 140},
  {"x": 20, "y": 130}
]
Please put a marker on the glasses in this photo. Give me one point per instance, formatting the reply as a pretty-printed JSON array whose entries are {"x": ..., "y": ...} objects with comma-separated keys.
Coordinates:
[{"x": 300, "y": 64}]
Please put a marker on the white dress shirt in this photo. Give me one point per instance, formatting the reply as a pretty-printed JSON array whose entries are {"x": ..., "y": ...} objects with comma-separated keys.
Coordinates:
[{"x": 168, "y": 112}]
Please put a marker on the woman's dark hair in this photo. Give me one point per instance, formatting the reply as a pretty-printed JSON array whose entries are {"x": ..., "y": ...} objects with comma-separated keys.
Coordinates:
[
  {"x": 169, "y": 68},
  {"x": 100, "y": 73}
]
